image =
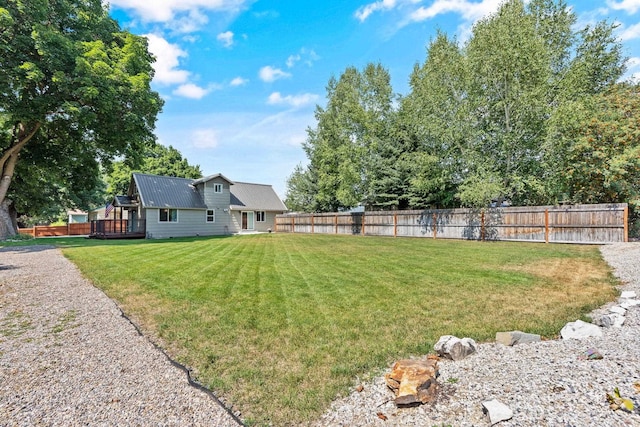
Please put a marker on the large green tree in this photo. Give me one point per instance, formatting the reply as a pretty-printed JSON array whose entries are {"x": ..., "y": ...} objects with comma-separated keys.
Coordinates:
[
  {"x": 483, "y": 120},
  {"x": 434, "y": 126},
  {"x": 74, "y": 93},
  {"x": 594, "y": 155},
  {"x": 157, "y": 160},
  {"x": 343, "y": 149}
]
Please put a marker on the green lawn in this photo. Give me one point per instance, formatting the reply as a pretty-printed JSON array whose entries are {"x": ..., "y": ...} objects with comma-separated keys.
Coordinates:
[{"x": 282, "y": 324}]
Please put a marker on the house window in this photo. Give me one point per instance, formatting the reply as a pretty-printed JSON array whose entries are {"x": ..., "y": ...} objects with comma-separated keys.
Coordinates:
[
  {"x": 168, "y": 215},
  {"x": 217, "y": 188},
  {"x": 260, "y": 216},
  {"x": 211, "y": 215}
]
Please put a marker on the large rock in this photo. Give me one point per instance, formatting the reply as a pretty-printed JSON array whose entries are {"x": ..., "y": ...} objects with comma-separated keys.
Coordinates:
[
  {"x": 618, "y": 310},
  {"x": 611, "y": 320},
  {"x": 413, "y": 381},
  {"x": 628, "y": 303},
  {"x": 455, "y": 348},
  {"x": 516, "y": 337},
  {"x": 628, "y": 294},
  {"x": 497, "y": 411},
  {"x": 579, "y": 330}
]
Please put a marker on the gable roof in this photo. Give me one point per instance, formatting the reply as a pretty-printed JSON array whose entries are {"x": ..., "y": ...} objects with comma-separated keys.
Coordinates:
[
  {"x": 247, "y": 196},
  {"x": 210, "y": 177},
  {"x": 167, "y": 192}
]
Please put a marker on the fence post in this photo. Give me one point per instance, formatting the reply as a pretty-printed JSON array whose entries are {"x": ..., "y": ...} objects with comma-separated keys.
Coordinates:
[
  {"x": 395, "y": 224},
  {"x": 546, "y": 225},
  {"x": 335, "y": 222},
  {"x": 626, "y": 223},
  {"x": 293, "y": 224},
  {"x": 435, "y": 225},
  {"x": 312, "y": 224},
  {"x": 35, "y": 231},
  {"x": 363, "y": 223},
  {"x": 482, "y": 225}
]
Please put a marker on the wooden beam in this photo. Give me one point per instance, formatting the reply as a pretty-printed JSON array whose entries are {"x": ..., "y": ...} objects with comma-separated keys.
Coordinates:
[
  {"x": 625, "y": 221},
  {"x": 546, "y": 225},
  {"x": 395, "y": 224}
]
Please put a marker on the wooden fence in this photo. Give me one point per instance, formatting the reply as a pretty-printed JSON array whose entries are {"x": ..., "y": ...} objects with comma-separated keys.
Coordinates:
[
  {"x": 74, "y": 229},
  {"x": 603, "y": 223}
]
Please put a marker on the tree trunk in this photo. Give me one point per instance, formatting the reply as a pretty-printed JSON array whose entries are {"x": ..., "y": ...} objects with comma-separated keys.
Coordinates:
[{"x": 8, "y": 227}]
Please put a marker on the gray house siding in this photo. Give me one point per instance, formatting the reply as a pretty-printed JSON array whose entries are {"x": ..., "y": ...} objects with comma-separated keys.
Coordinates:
[
  {"x": 213, "y": 199},
  {"x": 268, "y": 223},
  {"x": 191, "y": 222}
]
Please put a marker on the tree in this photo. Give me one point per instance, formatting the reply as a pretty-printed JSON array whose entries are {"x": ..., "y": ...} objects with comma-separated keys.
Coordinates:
[
  {"x": 596, "y": 154},
  {"x": 511, "y": 71},
  {"x": 301, "y": 190},
  {"x": 158, "y": 160},
  {"x": 74, "y": 93},
  {"x": 436, "y": 126},
  {"x": 342, "y": 149}
]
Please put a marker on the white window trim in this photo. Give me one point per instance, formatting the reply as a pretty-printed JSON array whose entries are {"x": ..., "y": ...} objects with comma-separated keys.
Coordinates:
[
  {"x": 206, "y": 216},
  {"x": 168, "y": 216},
  {"x": 253, "y": 222},
  {"x": 262, "y": 214},
  {"x": 217, "y": 186}
]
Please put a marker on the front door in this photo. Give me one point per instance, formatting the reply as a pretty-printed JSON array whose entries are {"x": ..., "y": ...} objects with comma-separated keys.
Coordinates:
[{"x": 247, "y": 220}]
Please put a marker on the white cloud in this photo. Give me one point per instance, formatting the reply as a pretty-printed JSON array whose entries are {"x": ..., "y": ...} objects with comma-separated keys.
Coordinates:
[
  {"x": 295, "y": 101},
  {"x": 190, "y": 90},
  {"x": 226, "y": 38},
  {"x": 470, "y": 11},
  {"x": 365, "y": 11},
  {"x": 204, "y": 138},
  {"x": 633, "y": 69},
  {"x": 239, "y": 81},
  {"x": 189, "y": 23},
  {"x": 167, "y": 10},
  {"x": 167, "y": 61},
  {"x": 307, "y": 56},
  {"x": 292, "y": 59},
  {"x": 629, "y": 6},
  {"x": 269, "y": 74},
  {"x": 633, "y": 32}
]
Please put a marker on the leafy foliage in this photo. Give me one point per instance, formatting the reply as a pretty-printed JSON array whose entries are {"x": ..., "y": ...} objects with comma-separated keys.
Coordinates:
[
  {"x": 158, "y": 160},
  {"x": 74, "y": 93},
  {"x": 505, "y": 116}
]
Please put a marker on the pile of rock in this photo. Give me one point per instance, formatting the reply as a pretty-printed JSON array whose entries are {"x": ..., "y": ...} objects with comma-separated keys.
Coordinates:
[
  {"x": 413, "y": 381},
  {"x": 616, "y": 314}
]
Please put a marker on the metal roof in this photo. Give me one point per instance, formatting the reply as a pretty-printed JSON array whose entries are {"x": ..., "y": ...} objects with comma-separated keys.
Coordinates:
[
  {"x": 246, "y": 196},
  {"x": 167, "y": 192},
  {"x": 124, "y": 201}
]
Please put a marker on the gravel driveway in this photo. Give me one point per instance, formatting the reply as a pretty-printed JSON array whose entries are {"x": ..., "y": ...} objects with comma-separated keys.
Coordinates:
[{"x": 68, "y": 357}]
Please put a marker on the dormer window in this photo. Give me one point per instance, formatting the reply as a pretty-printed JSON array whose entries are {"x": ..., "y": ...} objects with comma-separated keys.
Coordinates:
[{"x": 217, "y": 188}]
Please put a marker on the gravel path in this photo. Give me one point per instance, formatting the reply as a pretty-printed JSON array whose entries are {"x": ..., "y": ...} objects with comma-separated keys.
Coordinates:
[
  {"x": 68, "y": 357},
  {"x": 544, "y": 384}
]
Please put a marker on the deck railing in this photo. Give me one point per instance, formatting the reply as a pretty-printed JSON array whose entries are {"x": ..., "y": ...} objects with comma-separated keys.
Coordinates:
[{"x": 103, "y": 227}]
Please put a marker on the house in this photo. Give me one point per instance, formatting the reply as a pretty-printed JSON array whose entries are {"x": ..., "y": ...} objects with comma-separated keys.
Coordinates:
[
  {"x": 161, "y": 206},
  {"x": 77, "y": 216}
]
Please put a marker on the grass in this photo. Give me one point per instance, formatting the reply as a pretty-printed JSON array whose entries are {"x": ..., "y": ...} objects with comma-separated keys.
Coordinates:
[{"x": 281, "y": 324}]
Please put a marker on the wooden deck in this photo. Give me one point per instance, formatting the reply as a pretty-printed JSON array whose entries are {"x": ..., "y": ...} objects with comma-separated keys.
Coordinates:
[
  {"x": 105, "y": 236},
  {"x": 117, "y": 229}
]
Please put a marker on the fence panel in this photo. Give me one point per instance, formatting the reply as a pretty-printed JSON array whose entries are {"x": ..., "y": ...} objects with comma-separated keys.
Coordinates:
[{"x": 603, "y": 223}]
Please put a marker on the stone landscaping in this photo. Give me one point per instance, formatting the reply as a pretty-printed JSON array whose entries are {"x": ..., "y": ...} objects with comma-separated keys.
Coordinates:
[{"x": 591, "y": 376}]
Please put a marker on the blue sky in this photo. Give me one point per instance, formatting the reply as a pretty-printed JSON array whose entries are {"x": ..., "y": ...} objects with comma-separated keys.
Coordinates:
[{"x": 241, "y": 78}]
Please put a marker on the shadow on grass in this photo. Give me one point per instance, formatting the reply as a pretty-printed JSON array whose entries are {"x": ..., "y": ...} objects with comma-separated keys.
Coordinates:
[{"x": 43, "y": 243}]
